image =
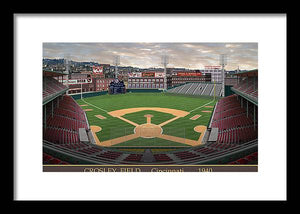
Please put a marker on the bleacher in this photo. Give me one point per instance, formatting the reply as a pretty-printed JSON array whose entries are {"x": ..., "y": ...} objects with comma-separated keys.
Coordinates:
[{"x": 206, "y": 89}]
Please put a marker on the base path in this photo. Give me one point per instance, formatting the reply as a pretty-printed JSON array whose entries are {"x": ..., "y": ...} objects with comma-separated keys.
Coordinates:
[{"x": 94, "y": 130}]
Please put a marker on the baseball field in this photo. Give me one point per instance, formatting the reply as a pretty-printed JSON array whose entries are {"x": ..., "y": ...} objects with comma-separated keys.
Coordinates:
[{"x": 148, "y": 119}]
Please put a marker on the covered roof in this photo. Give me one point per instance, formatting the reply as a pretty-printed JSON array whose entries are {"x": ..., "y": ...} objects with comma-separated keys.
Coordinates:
[
  {"x": 50, "y": 73},
  {"x": 248, "y": 73}
]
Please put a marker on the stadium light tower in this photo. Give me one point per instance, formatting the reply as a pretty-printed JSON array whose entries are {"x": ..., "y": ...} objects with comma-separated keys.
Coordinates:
[
  {"x": 165, "y": 62},
  {"x": 116, "y": 63},
  {"x": 223, "y": 62},
  {"x": 67, "y": 71}
]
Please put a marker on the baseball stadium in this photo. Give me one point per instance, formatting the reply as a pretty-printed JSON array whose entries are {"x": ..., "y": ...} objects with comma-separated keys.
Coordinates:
[{"x": 187, "y": 124}]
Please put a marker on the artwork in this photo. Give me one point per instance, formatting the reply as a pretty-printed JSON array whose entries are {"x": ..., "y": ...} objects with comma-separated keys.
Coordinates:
[{"x": 160, "y": 107}]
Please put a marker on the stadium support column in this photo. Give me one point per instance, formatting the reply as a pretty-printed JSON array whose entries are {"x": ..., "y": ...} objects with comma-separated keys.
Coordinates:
[
  {"x": 247, "y": 107},
  {"x": 45, "y": 116},
  {"x": 52, "y": 108},
  {"x": 241, "y": 102},
  {"x": 254, "y": 116}
]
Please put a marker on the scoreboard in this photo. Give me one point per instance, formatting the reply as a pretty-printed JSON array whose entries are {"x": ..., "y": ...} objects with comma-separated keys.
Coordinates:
[{"x": 146, "y": 80}]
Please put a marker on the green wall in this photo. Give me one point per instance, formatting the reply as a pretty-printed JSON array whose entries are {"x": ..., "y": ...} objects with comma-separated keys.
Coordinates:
[
  {"x": 91, "y": 94},
  {"x": 228, "y": 90}
]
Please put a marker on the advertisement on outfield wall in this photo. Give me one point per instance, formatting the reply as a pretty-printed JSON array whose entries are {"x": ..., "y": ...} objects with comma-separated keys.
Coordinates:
[
  {"x": 77, "y": 81},
  {"x": 146, "y": 74},
  {"x": 188, "y": 74},
  {"x": 98, "y": 69},
  {"x": 134, "y": 74},
  {"x": 159, "y": 74}
]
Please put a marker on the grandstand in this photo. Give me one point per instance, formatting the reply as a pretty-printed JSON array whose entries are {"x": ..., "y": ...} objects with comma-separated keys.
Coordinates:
[
  {"x": 205, "y": 89},
  {"x": 231, "y": 137},
  {"x": 247, "y": 85},
  {"x": 51, "y": 87}
]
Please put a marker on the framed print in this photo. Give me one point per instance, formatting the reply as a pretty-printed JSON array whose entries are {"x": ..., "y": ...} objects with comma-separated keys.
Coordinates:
[{"x": 150, "y": 106}]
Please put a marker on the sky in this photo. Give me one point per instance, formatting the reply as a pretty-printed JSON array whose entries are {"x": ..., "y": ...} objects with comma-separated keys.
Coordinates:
[{"x": 146, "y": 55}]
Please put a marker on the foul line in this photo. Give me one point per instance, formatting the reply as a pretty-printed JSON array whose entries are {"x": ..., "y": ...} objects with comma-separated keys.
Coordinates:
[
  {"x": 95, "y": 106},
  {"x": 201, "y": 106}
]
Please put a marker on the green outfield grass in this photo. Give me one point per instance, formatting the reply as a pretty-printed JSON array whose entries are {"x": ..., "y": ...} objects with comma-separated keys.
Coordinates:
[{"x": 114, "y": 127}]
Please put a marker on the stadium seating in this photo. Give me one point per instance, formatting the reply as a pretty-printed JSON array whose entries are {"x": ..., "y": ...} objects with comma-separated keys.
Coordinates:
[
  {"x": 134, "y": 157},
  {"x": 48, "y": 159},
  {"x": 233, "y": 124},
  {"x": 206, "y": 89},
  {"x": 252, "y": 158},
  {"x": 62, "y": 127},
  {"x": 51, "y": 87},
  {"x": 235, "y": 129},
  {"x": 250, "y": 88},
  {"x": 109, "y": 155},
  {"x": 186, "y": 155},
  {"x": 162, "y": 157}
]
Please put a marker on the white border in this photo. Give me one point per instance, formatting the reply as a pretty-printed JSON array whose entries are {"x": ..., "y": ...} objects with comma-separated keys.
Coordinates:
[{"x": 267, "y": 184}]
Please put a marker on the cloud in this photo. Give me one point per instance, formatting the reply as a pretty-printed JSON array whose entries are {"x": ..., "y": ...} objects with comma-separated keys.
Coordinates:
[{"x": 143, "y": 55}]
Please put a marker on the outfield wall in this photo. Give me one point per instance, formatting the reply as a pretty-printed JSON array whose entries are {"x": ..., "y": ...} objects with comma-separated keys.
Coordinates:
[
  {"x": 143, "y": 90},
  {"x": 89, "y": 94}
]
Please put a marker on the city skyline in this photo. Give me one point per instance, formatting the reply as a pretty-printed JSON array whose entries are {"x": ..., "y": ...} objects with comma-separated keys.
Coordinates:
[{"x": 147, "y": 55}]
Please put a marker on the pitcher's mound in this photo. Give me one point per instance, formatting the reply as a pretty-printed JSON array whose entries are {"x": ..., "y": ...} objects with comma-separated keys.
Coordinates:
[
  {"x": 148, "y": 115},
  {"x": 148, "y": 130}
]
